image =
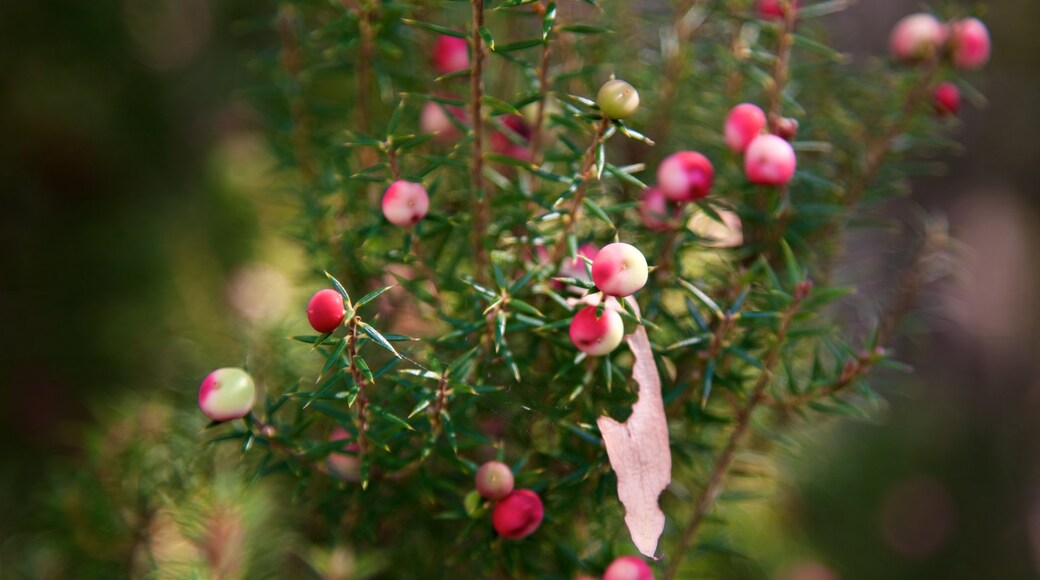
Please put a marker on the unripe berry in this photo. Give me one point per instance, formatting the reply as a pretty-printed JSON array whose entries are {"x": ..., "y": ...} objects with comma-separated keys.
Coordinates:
[
  {"x": 628, "y": 568},
  {"x": 947, "y": 99},
  {"x": 685, "y": 176},
  {"x": 227, "y": 394},
  {"x": 597, "y": 336},
  {"x": 325, "y": 311},
  {"x": 405, "y": 203},
  {"x": 743, "y": 124},
  {"x": 774, "y": 9},
  {"x": 769, "y": 160},
  {"x": 969, "y": 43},
  {"x": 617, "y": 99},
  {"x": 619, "y": 270},
  {"x": 657, "y": 212},
  {"x": 518, "y": 515},
  {"x": 494, "y": 480},
  {"x": 450, "y": 54},
  {"x": 917, "y": 37},
  {"x": 342, "y": 465}
]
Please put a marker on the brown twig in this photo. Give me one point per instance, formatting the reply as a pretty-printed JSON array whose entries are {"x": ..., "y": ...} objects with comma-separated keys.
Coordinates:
[
  {"x": 538, "y": 133},
  {"x": 481, "y": 214}
]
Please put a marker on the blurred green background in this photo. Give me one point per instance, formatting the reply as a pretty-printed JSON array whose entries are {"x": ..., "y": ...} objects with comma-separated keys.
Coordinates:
[{"x": 143, "y": 244}]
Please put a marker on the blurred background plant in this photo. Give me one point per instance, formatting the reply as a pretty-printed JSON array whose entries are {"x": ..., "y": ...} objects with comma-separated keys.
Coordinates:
[{"x": 143, "y": 212}]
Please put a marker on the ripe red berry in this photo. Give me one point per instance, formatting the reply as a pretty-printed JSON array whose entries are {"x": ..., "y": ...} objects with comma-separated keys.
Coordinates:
[
  {"x": 405, "y": 203},
  {"x": 227, "y": 394},
  {"x": 450, "y": 54},
  {"x": 494, "y": 480},
  {"x": 774, "y": 9},
  {"x": 743, "y": 124},
  {"x": 628, "y": 568},
  {"x": 617, "y": 99},
  {"x": 685, "y": 176},
  {"x": 947, "y": 99},
  {"x": 518, "y": 515},
  {"x": 657, "y": 212},
  {"x": 917, "y": 37},
  {"x": 345, "y": 466},
  {"x": 769, "y": 160},
  {"x": 969, "y": 43},
  {"x": 597, "y": 336},
  {"x": 619, "y": 270},
  {"x": 325, "y": 311}
]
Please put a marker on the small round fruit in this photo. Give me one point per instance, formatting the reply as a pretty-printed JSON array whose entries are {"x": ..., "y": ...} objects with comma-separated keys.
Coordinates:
[
  {"x": 917, "y": 37},
  {"x": 947, "y": 99},
  {"x": 345, "y": 466},
  {"x": 325, "y": 311},
  {"x": 617, "y": 99},
  {"x": 628, "y": 568},
  {"x": 597, "y": 336},
  {"x": 969, "y": 43},
  {"x": 769, "y": 160},
  {"x": 405, "y": 203},
  {"x": 685, "y": 176},
  {"x": 450, "y": 54},
  {"x": 518, "y": 515},
  {"x": 774, "y": 9},
  {"x": 227, "y": 394},
  {"x": 494, "y": 480},
  {"x": 787, "y": 128},
  {"x": 657, "y": 212},
  {"x": 619, "y": 270},
  {"x": 743, "y": 123}
]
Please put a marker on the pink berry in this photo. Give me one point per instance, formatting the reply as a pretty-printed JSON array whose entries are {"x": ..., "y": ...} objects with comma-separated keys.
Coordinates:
[
  {"x": 743, "y": 124},
  {"x": 947, "y": 99},
  {"x": 769, "y": 160},
  {"x": 619, "y": 270},
  {"x": 628, "y": 568},
  {"x": 575, "y": 268},
  {"x": 227, "y": 394},
  {"x": 345, "y": 466},
  {"x": 434, "y": 120},
  {"x": 450, "y": 54},
  {"x": 597, "y": 336},
  {"x": 325, "y": 311},
  {"x": 774, "y": 9},
  {"x": 917, "y": 37},
  {"x": 969, "y": 43},
  {"x": 405, "y": 203},
  {"x": 685, "y": 176},
  {"x": 494, "y": 480},
  {"x": 518, "y": 515},
  {"x": 657, "y": 212}
]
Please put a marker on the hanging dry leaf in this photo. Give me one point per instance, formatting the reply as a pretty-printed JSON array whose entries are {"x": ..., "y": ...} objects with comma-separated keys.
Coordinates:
[{"x": 638, "y": 448}]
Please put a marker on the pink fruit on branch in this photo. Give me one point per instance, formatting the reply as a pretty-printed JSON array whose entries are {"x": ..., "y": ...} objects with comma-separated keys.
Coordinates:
[
  {"x": 518, "y": 515},
  {"x": 774, "y": 9},
  {"x": 947, "y": 99},
  {"x": 227, "y": 394},
  {"x": 917, "y": 37},
  {"x": 769, "y": 160},
  {"x": 743, "y": 123},
  {"x": 405, "y": 203},
  {"x": 325, "y": 311},
  {"x": 450, "y": 54},
  {"x": 628, "y": 568},
  {"x": 494, "y": 480},
  {"x": 969, "y": 43},
  {"x": 597, "y": 336},
  {"x": 685, "y": 176},
  {"x": 619, "y": 270}
]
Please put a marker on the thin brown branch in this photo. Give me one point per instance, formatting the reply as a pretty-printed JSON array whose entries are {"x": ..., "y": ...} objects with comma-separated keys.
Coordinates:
[
  {"x": 538, "y": 133},
  {"x": 481, "y": 214}
]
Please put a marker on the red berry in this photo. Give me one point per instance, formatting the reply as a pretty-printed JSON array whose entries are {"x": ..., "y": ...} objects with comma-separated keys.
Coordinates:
[
  {"x": 685, "y": 176},
  {"x": 227, "y": 394},
  {"x": 769, "y": 160},
  {"x": 405, "y": 203},
  {"x": 917, "y": 37},
  {"x": 969, "y": 43},
  {"x": 774, "y": 9},
  {"x": 947, "y": 99},
  {"x": 518, "y": 515},
  {"x": 743, "y": 124},
  {"x": 450, "y": 54},
  {"x": 597, "y": 336},
  {"x": 494, "y": 480},
  {"x": 628, "y": 568},
  {"x": 325, "y": 311}
]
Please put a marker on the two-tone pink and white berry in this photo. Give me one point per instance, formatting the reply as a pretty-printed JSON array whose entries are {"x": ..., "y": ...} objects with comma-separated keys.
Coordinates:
[
  {"x": 743, "y": 123},
  {"x": 774, "y": 9},
  {"x": 597, "y": 335},
  {"x": 405, "y": 203},
  {"x": 657, "y": 212},
  {"x": 685, "y": 176},
  {"x": 345, "y": 466},
  {"x": 450, "y": 54},
  {"x": 628, "y": 568},
  {"x": 917, "y": 37},
  {"x": 619, "y": 270},
  {"x": 325, "y": 311},
  {"x": 969, "y": 43},
  {"x": 494, "y": 480},
  {"x": 227, "y": 394},
  {"x": 518, "y": 515},
  {"x": 947, "y": 99},
  {"x": 769, "y": 160}
]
